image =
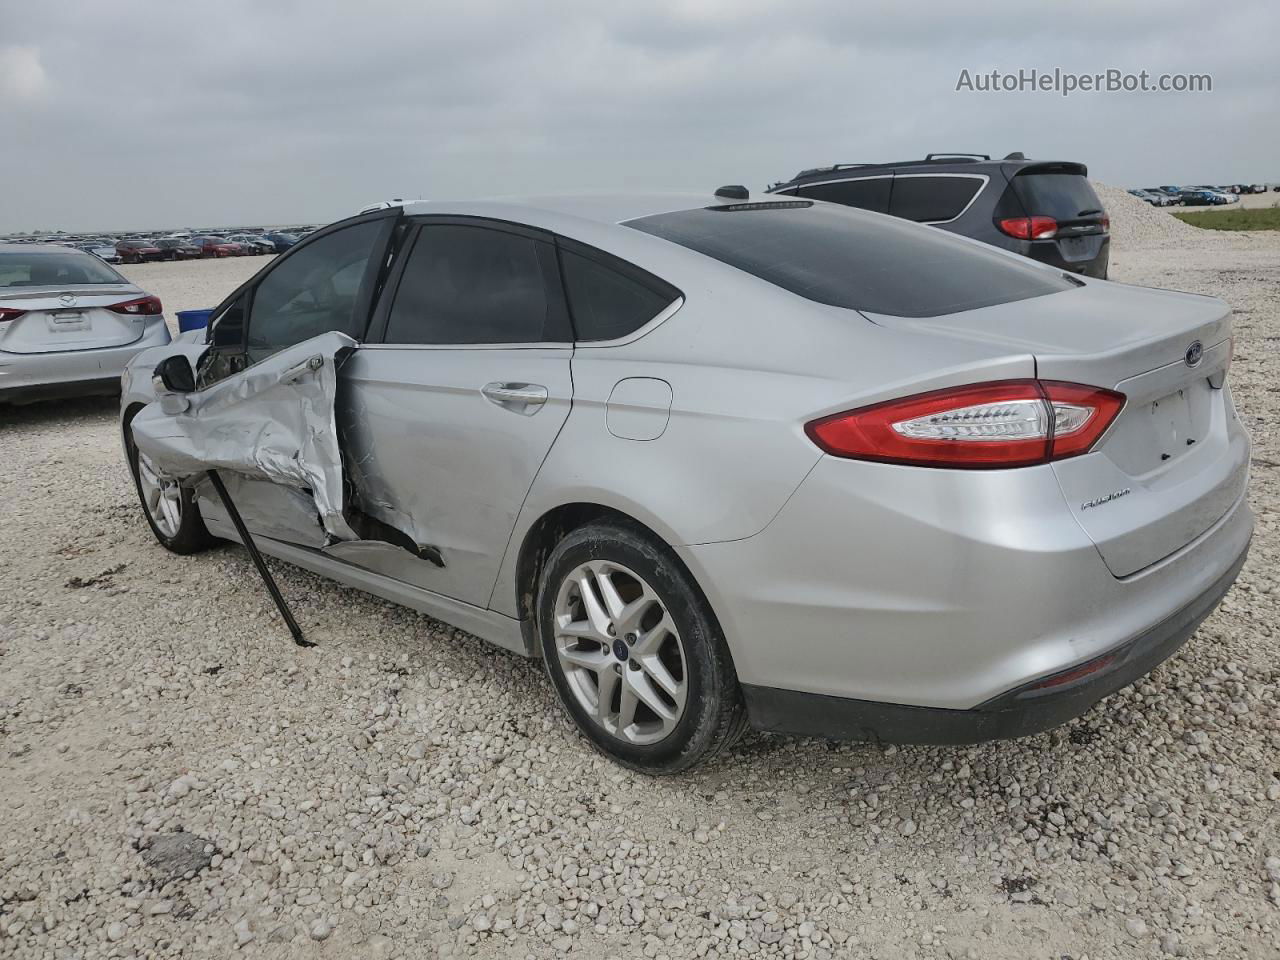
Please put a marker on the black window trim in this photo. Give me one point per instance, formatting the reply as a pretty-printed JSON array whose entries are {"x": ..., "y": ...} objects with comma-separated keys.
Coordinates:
[
  {"x": 984, "y": 177},
  {"x": 365, "y": 304},
  {"x": 376, "y": 337},
  {"x": 631, "y": 271}
]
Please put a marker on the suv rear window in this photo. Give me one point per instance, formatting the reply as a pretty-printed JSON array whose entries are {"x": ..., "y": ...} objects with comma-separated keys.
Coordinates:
[
  {"x": 845, "y": 258},
  {"x": 1063, "y": 196},
  {"x": 932, "y": 199}
]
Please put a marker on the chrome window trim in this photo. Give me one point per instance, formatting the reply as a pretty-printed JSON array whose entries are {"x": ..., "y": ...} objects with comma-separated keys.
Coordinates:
[
  {"x": 667, "y": 312},
  {"x": 983, "y": 177},
  {"x": 662, "y": 317}
]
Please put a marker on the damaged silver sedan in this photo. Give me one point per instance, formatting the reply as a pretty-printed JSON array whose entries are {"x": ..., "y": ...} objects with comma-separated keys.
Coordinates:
[{"x": 720, "y": 462}]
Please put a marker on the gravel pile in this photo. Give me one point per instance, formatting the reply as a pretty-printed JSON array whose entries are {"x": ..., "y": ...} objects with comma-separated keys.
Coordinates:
[
  {"x": 178, "y": 779},
  {"x": 1135, "y": 223}
]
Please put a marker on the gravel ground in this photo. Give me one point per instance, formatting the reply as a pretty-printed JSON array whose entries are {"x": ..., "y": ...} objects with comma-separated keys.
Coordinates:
[{"x": 179, "y": 780}]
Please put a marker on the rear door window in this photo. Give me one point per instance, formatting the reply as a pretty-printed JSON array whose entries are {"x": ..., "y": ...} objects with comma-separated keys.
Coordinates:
[
  {"x": 475, "y": 284},
  {"x": 932, "y": 199},
  {"x": 845, "y": 258},
  {"x": 610, "y": 298},
  {"x": 870, "y": 193}
]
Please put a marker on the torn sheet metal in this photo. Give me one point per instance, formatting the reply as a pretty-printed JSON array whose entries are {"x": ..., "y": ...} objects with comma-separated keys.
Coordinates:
[{"x": 274, "y": 421}]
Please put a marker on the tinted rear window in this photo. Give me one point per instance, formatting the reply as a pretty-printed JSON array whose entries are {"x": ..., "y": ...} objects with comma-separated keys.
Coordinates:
[
  {"x": 54, "y": 269},
  {"x": 932, "y": 199},
  {"x": 867, "y": 194},
  {"x": 850, "y": 259},
  {"x": 609, "y": 298},
  {"x": 1063, "y": 196}
]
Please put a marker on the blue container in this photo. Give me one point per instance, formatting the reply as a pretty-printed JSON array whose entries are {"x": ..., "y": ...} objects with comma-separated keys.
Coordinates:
[{"x": 193, "y": 319}]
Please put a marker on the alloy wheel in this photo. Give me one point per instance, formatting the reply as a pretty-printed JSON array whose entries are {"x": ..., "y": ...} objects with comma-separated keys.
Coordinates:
[
  {"x": 620, "y": 652},
  {"x": 162, "y": 497}
]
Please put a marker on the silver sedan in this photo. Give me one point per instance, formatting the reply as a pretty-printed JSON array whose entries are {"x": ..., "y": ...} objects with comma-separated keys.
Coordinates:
[
  {"x": 68, "y": 323},
  {"x": 720, "y": 462}
]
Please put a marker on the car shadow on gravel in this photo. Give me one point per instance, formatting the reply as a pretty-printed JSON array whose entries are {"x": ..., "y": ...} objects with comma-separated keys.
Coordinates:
[{"x": 44, "y": 414}]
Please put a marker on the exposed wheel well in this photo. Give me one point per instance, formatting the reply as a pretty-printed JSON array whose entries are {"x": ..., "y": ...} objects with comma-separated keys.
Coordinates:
[{"x": 547, "y": 531}]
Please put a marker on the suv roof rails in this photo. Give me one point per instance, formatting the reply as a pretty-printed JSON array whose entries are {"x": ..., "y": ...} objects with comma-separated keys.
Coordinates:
[
  {"x": 831, "y": 167},
  {"x": 957, "y": 156}
]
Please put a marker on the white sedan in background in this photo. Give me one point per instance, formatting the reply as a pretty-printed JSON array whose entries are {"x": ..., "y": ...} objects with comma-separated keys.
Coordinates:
[{"x": 68, "y": 323}]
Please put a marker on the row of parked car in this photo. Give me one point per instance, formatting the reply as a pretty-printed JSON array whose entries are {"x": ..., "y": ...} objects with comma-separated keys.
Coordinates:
[
  {"x": 1201, "y": 196},
  {"x": 181, "y": 246}
]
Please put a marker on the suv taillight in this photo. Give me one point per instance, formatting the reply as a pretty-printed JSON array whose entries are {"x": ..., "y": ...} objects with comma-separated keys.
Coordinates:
[
  {"x": 1029, "y": 228},
  {"x": 1010, "y": 423},
  {"x": 142, "y": 307},
  {"x": 8, "y": 313}
]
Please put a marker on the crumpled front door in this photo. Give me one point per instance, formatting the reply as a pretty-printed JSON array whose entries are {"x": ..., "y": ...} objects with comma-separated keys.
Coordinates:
[{"x": 271, "y": 433}]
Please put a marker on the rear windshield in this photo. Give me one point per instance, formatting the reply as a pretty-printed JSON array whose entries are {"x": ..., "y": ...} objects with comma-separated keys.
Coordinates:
[
  {"x": 1063, "y": 196},
  {"x": 860, "y": 261},
  {"x": 53, "y": 269}
]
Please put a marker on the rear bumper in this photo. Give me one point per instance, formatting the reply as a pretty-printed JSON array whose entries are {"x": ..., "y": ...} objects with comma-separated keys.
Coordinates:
[
  {"x": 937, "y": 588},
  {"x": 25, "y": 377},
  {"x": 1033, "y": 708}
]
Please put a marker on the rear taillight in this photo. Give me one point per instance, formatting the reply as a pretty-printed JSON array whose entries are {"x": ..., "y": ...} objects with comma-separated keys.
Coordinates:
[
  {"x": 1106, "y": 223},
  {"x": 1010, "y": 423},
  {"x": 142, "y": 307},
  {"x": 1029, "y": 228},
  {"x": 8, "y": 313}
]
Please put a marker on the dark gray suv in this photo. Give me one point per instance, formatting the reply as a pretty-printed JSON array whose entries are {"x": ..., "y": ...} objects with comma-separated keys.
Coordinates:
[{"x": 1046, "y": 211}]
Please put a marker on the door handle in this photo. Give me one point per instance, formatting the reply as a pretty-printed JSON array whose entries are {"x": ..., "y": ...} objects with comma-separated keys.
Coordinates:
[{"x": 523, "y": 398}]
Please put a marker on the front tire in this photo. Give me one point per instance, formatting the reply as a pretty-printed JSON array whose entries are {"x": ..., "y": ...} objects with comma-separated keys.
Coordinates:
[
  {"x": 634, "y": 651},
  {"x": 170, "y": 509}
]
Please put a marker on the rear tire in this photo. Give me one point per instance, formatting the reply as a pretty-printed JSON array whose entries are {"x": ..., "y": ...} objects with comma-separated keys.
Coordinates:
[
  {"x": 634, "y": 651},
  {"x": 171, "y": 510}
]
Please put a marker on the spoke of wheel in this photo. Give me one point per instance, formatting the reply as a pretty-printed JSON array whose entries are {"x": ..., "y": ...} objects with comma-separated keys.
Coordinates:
[
  {"x": 660, "y": 675},
  {"x": 606, "y": 682},
  {"x": 642, "y": 687},
  {"x": 593, "y": 660},
  {"x": 651, "y": 640},
  {"x": 626, "y": 707},
  {"x": 609, "y": 594},
  {"x": 596, "y": 613},
  {"x": 578, "y": 629}
]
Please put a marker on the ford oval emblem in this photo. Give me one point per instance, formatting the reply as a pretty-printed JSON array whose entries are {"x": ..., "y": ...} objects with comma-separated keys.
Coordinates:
[{"x": 1194, "y": 353}]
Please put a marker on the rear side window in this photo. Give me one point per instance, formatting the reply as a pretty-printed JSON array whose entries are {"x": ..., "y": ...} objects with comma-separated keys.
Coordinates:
[
  {"x": 610, "y": 298},
  {"x": 314, "y": 290},
  {"x": 868, "y": 194},
  {"x": 472, "y": 284},
  {"x": 845, "y": 258},
  {"x": 1063, "y": 196},
  {"x": 932, "y": 199}
]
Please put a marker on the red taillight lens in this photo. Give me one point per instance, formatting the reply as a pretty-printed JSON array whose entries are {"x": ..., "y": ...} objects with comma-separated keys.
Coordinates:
[
  {"x": 142, "y": 307},
  {"x": 8, "y": 313},
  {"x": 1106, "y": 223},
  {"x": 1011, "y": 423},
  {"x": 1030, "y": 228}
]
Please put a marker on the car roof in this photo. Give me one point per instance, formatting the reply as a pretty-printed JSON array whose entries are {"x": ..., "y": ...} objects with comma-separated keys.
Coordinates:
[
  {"x": 605, "y": 208},
  {"x": 940, "y": 163}
]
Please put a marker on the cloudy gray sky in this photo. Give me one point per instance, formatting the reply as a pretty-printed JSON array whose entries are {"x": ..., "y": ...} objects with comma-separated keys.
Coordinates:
[{"x": 143, "y": 113}]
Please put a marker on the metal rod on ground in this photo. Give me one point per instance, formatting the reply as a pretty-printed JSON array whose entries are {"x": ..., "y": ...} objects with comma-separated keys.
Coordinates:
[{"x": 258, "y": 562}]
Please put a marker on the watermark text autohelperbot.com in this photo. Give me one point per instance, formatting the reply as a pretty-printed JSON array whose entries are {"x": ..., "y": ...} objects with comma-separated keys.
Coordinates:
[{"x": 1065, "y": 83}]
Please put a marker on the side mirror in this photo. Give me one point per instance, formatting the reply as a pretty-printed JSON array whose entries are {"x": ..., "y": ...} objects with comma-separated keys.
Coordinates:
[{"x": 174, "y": 375}]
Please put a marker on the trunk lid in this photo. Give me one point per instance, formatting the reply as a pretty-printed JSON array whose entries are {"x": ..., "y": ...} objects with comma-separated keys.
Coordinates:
[
  {"x": 1176, "y": 459},
  {"x": 57, "y": 319}
]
